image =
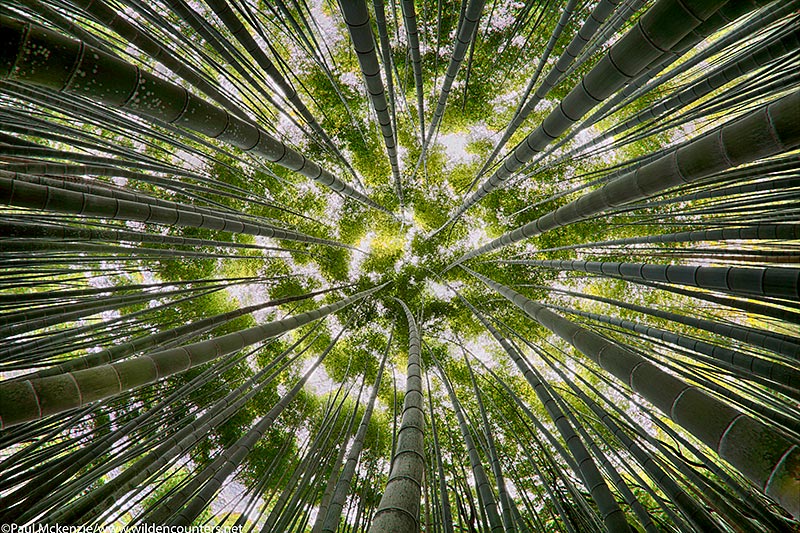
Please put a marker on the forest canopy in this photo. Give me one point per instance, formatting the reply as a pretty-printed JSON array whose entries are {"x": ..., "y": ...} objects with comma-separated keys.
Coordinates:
[{"x": 387, "y": 267}]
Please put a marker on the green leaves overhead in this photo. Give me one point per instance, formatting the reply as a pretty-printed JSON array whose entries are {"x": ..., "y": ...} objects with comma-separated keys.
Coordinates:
[{"x": 229, "y": 233}]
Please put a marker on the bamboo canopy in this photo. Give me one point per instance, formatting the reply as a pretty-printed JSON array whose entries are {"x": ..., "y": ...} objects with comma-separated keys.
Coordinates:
[{"x": 399, "y": 267}]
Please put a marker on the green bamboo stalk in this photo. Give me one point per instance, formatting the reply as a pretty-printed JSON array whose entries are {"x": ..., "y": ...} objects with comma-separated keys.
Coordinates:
[
  {"x": 410, "y": 23},
  {"x": 742, "y": 363},
  {"x": 26, "y": 400},
  {"x": 23, "y": 192},
  {"x": 761, "y": 453},
  {"x": 656, "y": 31},
  {"x": 774, "y": 282},
  {"x": 119, "y": 351},
  {"x": 334, "y": 511},
  {"x": 399, "y": 508},
  {"x": 769, "y": 130},
  {"x": 357, "y": 19},
  {"x": 613, "y": 517},
  {"x": 76, "y": 68},
  {"x": 482, "y": 485},
  {"x": 466, "y": 31}
]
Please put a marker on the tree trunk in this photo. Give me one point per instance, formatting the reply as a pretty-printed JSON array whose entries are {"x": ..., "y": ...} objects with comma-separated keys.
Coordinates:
[
  {"x": 759, "y": 452},
  {"x": 399, "y": 508}
]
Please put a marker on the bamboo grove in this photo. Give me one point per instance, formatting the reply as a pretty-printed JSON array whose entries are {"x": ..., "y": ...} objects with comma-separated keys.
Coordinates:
[{"x": 387, "y": 267}]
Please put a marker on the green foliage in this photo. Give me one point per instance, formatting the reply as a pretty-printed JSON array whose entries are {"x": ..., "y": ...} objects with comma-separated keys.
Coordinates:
[{"x": 398, "y": 249}]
